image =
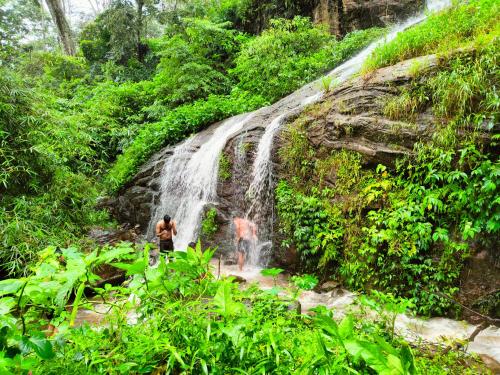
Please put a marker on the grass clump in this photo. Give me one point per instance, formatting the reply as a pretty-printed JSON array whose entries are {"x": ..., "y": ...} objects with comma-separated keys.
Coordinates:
[
  {"x": 442, "y": 32},
  {"x": 224, "y": 167}
]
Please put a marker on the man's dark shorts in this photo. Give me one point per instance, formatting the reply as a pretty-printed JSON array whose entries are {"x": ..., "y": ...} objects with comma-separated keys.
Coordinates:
[
  {"x": 166, "y": 246},
  {"x": 244, "y": 246}
]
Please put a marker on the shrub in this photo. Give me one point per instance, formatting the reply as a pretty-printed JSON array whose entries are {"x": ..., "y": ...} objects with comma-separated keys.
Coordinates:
[
  {"x": 20, "y": 120},
  {"x": 292, "y": 53},
  {"x": 225, "y": 166},
  {"x": 61, "y": 214},
  {"x": 194, "y": 63},
  {"x": 209, "y": 224}
]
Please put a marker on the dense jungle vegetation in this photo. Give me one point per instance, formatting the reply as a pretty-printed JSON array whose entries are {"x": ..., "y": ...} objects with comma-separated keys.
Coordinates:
[{"x": 76, "y": 123}]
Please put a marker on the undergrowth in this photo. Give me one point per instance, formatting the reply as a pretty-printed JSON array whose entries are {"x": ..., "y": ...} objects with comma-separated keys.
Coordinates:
[
  {"x": 186, "y": 321},
  {"x": 225, "y": 167},
  {"x": 209, "y": 224}
]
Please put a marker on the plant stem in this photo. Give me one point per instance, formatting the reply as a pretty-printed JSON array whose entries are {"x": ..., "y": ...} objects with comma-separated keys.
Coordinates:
[{"x": 78, "y": 297}]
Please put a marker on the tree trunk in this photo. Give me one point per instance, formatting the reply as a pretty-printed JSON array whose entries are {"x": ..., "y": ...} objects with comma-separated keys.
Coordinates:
[
  {"x": 140, "y": 49},
  {"x": 57, "y": 13}
]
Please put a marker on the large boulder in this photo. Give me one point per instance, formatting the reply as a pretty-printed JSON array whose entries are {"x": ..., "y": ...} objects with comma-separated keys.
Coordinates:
[{"x": 352, "y": 117}]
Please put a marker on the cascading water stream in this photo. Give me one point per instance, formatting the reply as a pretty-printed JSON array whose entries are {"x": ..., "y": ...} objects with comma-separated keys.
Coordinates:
[
  {"x": 190, "y": 176},
  {"x": 190, "y": 182},
  {"x": 260, "y": 191}
]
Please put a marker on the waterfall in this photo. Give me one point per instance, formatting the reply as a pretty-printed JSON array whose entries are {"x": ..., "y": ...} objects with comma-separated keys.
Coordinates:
[
  {"x": 189, "y": 181},
  {"x": 190, "y": 176}
]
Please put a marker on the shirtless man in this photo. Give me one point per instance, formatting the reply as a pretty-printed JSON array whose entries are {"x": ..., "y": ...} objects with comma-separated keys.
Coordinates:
[
  {"x": 246, "y": 237},
  {"x": 165, "y": 230}
]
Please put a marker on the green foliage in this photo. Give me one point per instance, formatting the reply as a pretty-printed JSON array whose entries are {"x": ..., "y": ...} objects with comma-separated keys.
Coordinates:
[
  {"x": 209, "y": 224},
  {"x": 20, "y": 121},
  {"x": 59, "y": 215},
  {"x": 456, "y": 27},
  {"x": 194, "y": 63},
  {"x": 44, "y": 198},
  {"x": 326, "y": 83},
  {"x": 465, "y": 90},
  {"x": 292, "y": 53},
  {"x": 415, "y": 242},
  {"x": 272, "y": 272},
  {"x": 176, "y": 125},
  {"x": 404, "y": 106},
  {"x": 116, "y": 45},
  {"x": 32, "y": 302},
  {"x": 186, "y": 322},
  {"x": 305, "y": 282},
  {"x": 14, "y": 29},
  {"x": 57, "y": 69},
  {"x": 315, "y": 229}
]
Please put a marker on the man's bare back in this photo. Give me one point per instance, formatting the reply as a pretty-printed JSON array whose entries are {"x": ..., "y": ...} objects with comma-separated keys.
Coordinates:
[
  {"x": 245, "y": 229},
  {"x": 246, "y": 238}
]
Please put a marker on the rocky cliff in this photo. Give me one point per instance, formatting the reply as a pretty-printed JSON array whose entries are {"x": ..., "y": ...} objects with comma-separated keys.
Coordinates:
[{"x": 343, "y": 16}]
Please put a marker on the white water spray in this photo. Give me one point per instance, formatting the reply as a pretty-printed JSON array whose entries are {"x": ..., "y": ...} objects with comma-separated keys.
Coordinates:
[{"x": 189, "y": 181}]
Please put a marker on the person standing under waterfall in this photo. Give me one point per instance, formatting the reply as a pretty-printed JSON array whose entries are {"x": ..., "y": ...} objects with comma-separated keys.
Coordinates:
[
  {"x": 165, "y": 230},
  {"x": 246, "y": 238}
]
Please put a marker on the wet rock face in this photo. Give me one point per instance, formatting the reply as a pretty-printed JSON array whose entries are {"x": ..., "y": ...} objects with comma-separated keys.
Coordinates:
[
  {"x": 133, "y": 203},
  {"x": 344, "y": 16},
  {"x": 240, "y": 154},
  {"x": 480, "y": 283},
  {"x": 352, "y": 117},
  {"x": 114, "y": 236},
  {"x": 340, "y": 16}
]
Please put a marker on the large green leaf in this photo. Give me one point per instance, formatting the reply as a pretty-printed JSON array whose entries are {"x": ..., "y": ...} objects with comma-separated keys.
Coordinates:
[
  {"x": 346, "y": 327},
  {"x": 273, "y": 272},
  {"x": 39, "y": 344},
  {"x": 133, "y": 268},
  {"x": 10, "y": 286},
  {"x": 224, "y": 302},
  {"x": 6, "y": 304}
]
